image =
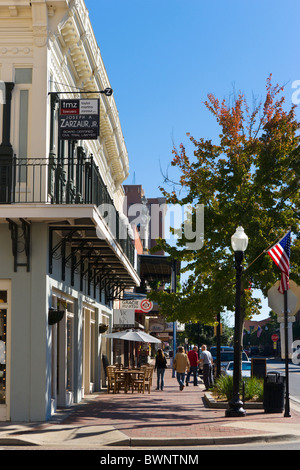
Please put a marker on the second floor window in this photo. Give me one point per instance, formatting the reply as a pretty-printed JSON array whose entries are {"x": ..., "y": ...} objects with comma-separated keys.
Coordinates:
[{"x": 23, "y": 81}]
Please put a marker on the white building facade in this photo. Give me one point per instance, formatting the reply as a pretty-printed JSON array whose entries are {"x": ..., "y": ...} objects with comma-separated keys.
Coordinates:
[{"x": 61, "y": 266}]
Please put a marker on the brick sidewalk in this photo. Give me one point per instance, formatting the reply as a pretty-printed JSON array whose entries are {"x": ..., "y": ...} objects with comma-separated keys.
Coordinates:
[{"x": 170, "y": 414}]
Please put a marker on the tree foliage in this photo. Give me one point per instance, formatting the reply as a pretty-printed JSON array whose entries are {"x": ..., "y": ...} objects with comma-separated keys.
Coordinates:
[{"x": 250, "y": 177}]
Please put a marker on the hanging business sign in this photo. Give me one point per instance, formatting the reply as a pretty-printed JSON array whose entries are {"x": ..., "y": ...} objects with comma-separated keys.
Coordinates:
[
  {"x": 124, "y": 318},
  {"x": 79, "y": 119},
  {"x": 144, "y": 305}
]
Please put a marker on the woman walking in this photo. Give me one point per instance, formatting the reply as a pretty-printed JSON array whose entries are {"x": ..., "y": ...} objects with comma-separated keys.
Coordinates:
[{"x": 160, "y": 366}]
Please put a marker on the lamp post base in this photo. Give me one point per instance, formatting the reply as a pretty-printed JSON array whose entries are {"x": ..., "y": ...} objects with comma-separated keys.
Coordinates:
[{"x": 235, "y": 409}]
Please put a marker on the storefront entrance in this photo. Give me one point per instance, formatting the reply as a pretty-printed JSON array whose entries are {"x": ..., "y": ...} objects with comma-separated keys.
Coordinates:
[
  {"x": 89, "y": 351},
  {"x": 62, "y": 392}
]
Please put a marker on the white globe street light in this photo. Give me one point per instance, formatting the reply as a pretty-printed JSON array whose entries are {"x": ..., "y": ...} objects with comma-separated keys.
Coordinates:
[{"x": 239, "y": 243}]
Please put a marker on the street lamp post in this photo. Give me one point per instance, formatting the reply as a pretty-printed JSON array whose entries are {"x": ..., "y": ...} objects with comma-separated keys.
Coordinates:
[{"x": 239, "y": 243}]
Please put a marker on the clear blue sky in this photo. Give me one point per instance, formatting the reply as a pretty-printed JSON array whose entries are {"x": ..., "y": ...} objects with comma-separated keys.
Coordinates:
[{"x": 164, "y": 56}]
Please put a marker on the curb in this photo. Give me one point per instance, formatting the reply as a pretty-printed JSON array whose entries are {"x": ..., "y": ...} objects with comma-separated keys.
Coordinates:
[
  {"x": 14, "y": 441},
  {"x": 169, "y": 442},
  {"x": 205, "y": 441}
]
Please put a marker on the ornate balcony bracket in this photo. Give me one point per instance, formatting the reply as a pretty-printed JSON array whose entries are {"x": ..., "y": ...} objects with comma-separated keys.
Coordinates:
[{"x": 20, "y": 242}]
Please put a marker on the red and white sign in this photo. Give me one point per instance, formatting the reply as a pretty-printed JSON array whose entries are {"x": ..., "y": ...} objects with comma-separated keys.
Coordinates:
[
  {"x": 143, "y": 305},
  {"x": 275, "y": 337},
  {"x": 146, "y": 305}
]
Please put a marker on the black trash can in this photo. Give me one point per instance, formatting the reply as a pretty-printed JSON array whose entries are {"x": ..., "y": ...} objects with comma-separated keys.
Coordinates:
[{"x": 274, "y": 392}]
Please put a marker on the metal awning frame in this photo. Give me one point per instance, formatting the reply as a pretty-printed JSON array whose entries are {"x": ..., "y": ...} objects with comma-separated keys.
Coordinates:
[
  {"x": 162, "y": 267},
  {"x": 91, "y": 258}
]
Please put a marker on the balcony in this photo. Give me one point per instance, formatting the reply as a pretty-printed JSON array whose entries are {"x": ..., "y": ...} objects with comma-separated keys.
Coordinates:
[
  {"x": 67, "y": 181},
  {"x": 51, "y": 180}
]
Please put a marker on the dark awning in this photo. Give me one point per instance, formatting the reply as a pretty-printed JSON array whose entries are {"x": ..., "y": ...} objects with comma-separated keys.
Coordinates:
[
  {"x": 80, "y": 247},
  {"x": 157, "y": 267}
]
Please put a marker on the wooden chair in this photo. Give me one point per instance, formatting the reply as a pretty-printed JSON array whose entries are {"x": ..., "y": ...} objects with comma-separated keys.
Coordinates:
[
  {"x": 120, "y": 381},
  {"x": 148, "y": 379},
  {"x": 110, "y": 373},
  {"x": 137, "y": 381}
]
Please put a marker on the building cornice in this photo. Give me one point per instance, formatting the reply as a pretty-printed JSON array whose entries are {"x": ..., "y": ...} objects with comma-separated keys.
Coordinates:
[
  {"x": 78, "y": 41},
  {"x": 64, "y": 25}
]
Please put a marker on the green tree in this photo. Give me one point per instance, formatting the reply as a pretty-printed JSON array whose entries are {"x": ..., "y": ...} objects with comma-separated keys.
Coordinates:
[
  {"x": 250, "y": 177},
  {"x": 199, "y": 334},
  {"x": 265, "y": 337}
]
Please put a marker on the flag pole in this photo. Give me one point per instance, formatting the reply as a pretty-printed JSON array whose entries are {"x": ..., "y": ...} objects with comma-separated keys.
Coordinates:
[
  {"x": 287, "y": 413},
  {"x": 280, "y": 253},
  {"x": 265, "y": 251}
]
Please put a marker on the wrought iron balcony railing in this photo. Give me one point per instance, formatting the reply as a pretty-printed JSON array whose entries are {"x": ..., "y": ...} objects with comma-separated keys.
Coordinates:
[{"x": 61, "y": 181}]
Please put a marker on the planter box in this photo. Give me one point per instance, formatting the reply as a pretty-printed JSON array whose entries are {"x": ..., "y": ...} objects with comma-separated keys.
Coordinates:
[{"x": 212, "y": 403}]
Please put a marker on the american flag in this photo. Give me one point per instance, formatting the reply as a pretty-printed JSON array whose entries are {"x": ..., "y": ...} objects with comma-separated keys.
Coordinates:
[
  {"x": 280, "y": 254},
  {"x": 259, "y": 331}
]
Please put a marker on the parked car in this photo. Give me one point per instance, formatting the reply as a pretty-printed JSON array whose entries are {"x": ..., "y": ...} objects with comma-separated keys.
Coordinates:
[
  {"x": 228, "y": 356},
  {"x": 213, "y": 350},
  {"x": 254, "y": 351},
  {"x": 246, "y": 368}
]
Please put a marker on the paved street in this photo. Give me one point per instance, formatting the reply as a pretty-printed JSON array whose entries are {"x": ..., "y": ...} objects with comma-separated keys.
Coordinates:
[{"x": 294, "y": 375}]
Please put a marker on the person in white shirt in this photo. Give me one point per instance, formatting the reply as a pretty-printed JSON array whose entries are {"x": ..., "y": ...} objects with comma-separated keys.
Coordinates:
[{"x": 207, "y": 362}]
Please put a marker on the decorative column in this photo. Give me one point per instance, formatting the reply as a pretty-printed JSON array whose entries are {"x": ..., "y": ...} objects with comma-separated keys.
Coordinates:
[
  {"x": 6, "y": 147},
  {"x": 6, "y": 150},
  {"x": 52, "y": 154}
]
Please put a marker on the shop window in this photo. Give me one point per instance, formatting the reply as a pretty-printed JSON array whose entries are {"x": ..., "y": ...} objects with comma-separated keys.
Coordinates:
[
  {"x": 70, "y": 347},
  {"x": 93, "y": 346},
  {"x": 3, "y": 296},
  {"x": 3, "y": 319}
]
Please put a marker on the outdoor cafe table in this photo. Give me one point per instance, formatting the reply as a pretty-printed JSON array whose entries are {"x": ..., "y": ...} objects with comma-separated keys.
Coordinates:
[{"x": 129, "y": 375}]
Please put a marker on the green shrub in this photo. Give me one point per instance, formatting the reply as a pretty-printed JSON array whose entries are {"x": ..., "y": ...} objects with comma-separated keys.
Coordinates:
[
  {"x": 223, "y": 387},
  {"x": 254, "y": 389}
]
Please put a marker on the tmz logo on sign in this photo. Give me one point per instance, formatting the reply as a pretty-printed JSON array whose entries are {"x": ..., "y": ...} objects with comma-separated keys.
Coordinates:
[
  {"x": 83, "y": 107},
  {"x": 69, "y": 107}
]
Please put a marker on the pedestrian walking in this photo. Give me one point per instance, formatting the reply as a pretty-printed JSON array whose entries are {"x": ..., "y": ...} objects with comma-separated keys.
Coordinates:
[
  {"x": 160, "y": 367},
  {"x": 207, "y": 362},
  {"x": 181, "y": 363},
  {"x": 194, "y": 361}
]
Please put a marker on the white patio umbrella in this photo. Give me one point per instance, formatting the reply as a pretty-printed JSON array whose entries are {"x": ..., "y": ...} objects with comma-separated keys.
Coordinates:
[{"x": 133, "y": 335}]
